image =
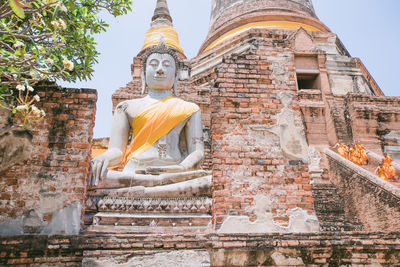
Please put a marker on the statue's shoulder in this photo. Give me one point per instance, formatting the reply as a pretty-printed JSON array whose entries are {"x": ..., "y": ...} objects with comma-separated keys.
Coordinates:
[
  {"x": 130, "y": 107},
  {"x": 125, "y": 104},
  {"x": 191, "y": 104}
]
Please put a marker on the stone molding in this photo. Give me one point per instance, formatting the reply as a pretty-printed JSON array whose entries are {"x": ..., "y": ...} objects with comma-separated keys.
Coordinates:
[{"x": 149, "y": 205}]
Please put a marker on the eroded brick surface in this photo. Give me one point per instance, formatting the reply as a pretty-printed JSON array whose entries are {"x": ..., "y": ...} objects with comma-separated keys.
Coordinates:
[
  {"x": 56, "y": 174},
  {"x": 247, "y": 158},
  {"x": 225, "y": 250}
]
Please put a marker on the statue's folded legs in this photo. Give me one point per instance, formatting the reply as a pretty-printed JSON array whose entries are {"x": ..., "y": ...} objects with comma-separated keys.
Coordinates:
[{"x": 200, "y": 186}]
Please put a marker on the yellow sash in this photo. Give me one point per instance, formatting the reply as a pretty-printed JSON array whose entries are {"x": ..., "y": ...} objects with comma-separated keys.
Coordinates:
[{"x": 156, "y": 122}]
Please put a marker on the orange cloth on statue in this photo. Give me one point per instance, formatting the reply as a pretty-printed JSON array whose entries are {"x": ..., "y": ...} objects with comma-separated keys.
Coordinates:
[{"x": 156, "y": 122}]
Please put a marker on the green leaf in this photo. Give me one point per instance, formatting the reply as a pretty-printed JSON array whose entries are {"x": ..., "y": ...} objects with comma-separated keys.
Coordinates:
[
  {"x": 19, "y": 11},
  {"x": 56, "y": 10}
]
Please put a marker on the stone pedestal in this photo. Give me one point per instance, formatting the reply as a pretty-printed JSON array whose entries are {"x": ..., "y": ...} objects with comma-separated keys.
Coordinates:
[{"x": 127, "y": 214}]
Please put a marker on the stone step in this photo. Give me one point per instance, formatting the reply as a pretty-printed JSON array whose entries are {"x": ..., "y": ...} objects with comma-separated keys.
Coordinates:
[
  {"x": 130, "y": 205},
  {"x": 152, "y": 220}
]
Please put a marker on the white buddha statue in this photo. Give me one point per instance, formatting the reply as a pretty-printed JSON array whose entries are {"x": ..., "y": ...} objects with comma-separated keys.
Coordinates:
[{"x": 166, "y": 148}]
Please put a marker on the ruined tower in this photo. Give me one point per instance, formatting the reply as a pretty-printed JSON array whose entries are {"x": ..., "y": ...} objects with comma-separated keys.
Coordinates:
[{"x": 231, "y": 17}]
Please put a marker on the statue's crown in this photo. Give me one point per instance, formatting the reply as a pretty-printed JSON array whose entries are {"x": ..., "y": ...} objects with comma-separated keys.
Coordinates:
[{"x": 162, "y": 48}]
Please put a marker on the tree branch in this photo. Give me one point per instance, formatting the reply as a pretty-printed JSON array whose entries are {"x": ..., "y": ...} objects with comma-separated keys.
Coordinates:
[
  {"x": 4, "y": 6},
  {"x": 25, "y": 36},
  {"x": 7, "y": 46}
]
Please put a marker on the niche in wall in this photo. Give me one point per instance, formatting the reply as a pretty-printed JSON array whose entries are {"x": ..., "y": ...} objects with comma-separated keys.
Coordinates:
[{"x": 307, "y": 71}]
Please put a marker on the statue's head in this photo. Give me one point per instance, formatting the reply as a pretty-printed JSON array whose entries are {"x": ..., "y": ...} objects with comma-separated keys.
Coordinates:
[
  {"x": 161, "y": 66},
  {"x": 160, "y": 73},
  {"x": 286, "y": 98}
]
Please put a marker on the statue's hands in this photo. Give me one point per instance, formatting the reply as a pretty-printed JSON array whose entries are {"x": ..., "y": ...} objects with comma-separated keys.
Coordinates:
[
  {"x": 99, "y": 167},
  {"x": 155, "y": 170}
]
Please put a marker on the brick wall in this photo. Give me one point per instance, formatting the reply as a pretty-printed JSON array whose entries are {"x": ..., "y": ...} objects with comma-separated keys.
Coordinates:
[
  {"x": 333, "y": 249},
  {"x": 51, "y": 186},
  {"x": 247, "y": 159},
  {"x": 330, "y": 209},
  {"x": 330, "y": 249},
  {"x": 373, "y": 117}
]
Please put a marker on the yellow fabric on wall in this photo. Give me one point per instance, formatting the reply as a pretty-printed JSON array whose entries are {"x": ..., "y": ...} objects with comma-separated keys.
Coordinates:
[{"x": 156, "y": 122}]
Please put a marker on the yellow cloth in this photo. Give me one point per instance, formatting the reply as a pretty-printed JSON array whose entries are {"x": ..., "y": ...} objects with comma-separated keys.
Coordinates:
[
  {"x": 156, "y": 122},
  {"x": 170, "y": 35}
]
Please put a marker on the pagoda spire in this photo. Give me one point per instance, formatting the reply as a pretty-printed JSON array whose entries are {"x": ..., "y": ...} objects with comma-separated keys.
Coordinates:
[
  {"x": 161, "y": 13},
  {"x": 161, "y": 27}
]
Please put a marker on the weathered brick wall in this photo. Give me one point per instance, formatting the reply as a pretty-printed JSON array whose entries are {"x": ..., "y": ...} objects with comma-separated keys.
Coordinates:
[
  {"x": 330, "y": 209},
  {"x": 247, "y": 158},
  {"x": 315, "y": 117},
  {"x": 340, "y": 120},
  {"x": 332, "y": 249},
  {"x": 372, "y": 118},
  {"x": 48, "y": 190},
  {"x": 374, "y": 202}
]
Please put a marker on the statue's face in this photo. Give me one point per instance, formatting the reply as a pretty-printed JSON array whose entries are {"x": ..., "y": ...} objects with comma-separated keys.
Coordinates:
[{"x": 160, "y": 71}]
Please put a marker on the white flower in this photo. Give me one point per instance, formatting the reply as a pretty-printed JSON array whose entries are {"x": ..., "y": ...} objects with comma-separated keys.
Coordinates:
[
  {"x": 49, "y": 61},
  {"x": 37, "y": 112},
  {"x": 62, "y": 24},
  {"x": 22, "y": 107},
  {"x": 69, "y": 65},
  {"x": 18, "y": 44},
  {"x": 30, "y": 88},
  {"x": 55, "y": 24},
  {"x": 20, "y": 87},
  {"x": 34, "y": 75},
  {"x": 42, "y": 113},
  {"x": 41, "y": 49},
  {"x": 63, "y": 8},
  {"x": 37, "y": 98},
  {"x": 46, "y": 69}
]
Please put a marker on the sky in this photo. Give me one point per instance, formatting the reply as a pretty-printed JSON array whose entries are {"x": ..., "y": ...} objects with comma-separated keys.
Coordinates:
[{"x": 369, "y": 29}]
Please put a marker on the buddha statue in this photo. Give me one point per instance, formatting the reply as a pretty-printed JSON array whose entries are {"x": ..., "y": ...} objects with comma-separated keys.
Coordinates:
[{"x": 166, "y": 148}]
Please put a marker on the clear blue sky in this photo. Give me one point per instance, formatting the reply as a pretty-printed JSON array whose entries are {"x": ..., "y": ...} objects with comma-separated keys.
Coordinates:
[{"x": 369, "y": 29}]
